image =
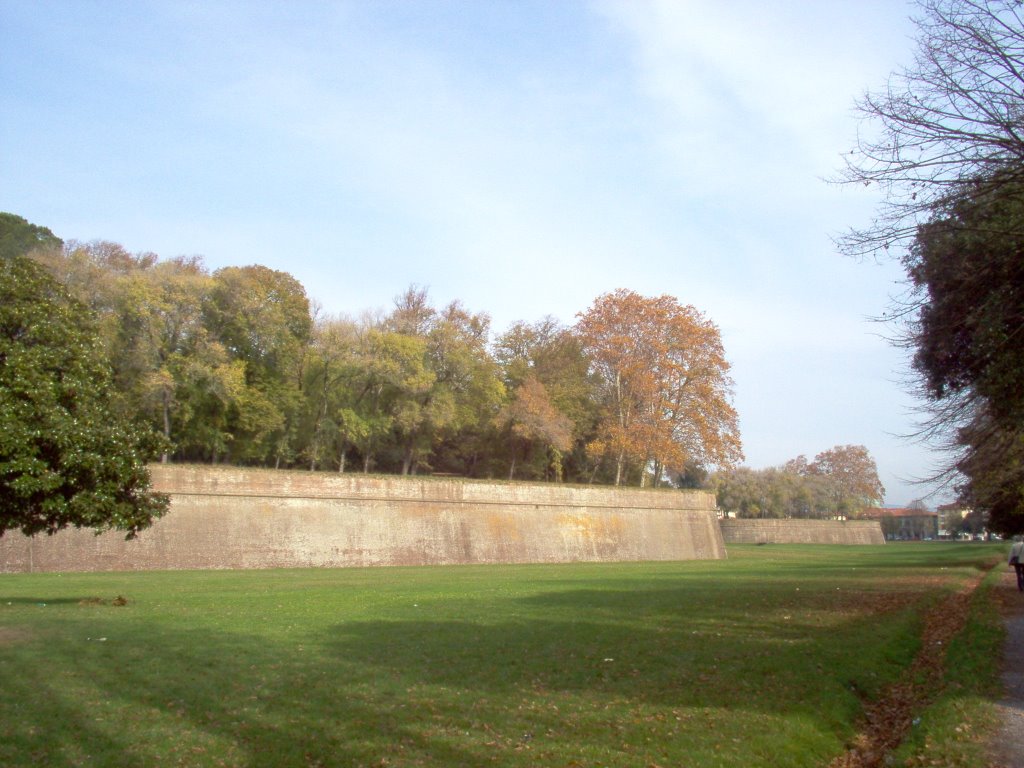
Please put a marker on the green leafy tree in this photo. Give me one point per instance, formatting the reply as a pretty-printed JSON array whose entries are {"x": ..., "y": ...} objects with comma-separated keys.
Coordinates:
[
  {"x": 743, "y": 492},
  {"x": 334, "y": 372},
  {"x": 553, "y": 355},
  {"x": 968, "y": 338},
  {"x": 468, "y": 390},
  {"x": 65, "y": 457},
  {"x": 262, "y": 317},
  {"x": 448, "y": 397},
  {"x": 395, "y": 382},
  {"x": 207, "y": 389},
  {"x": 157, "y": 337},
  {"x": 840, "y": 482},
  {"x": 18, "y": 237}
]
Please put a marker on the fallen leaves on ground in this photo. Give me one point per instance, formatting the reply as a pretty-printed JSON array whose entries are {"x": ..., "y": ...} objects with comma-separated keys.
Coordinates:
[{"x": 887, "y": 720}]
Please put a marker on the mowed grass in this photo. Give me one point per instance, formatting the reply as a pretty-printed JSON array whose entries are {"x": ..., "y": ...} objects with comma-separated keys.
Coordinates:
[{"x": 761, "y": 659}]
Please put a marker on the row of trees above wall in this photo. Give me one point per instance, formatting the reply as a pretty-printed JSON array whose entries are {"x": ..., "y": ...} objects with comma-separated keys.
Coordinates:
[
  {"x": 839, "y": 483},
  {"x": 236, "y": 366}
]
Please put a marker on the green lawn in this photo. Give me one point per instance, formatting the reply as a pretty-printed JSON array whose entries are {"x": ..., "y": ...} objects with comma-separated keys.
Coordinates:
[{"x": 761, "y": 659}]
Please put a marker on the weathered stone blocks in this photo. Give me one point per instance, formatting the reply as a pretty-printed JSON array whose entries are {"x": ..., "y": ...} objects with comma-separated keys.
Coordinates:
[
  {"x": 746, "y": 531},
  {"x": 224, "y": 517}
]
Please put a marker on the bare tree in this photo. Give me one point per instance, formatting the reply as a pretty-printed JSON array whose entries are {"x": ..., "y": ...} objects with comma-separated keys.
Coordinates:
[{"x": 949, "y": 125}]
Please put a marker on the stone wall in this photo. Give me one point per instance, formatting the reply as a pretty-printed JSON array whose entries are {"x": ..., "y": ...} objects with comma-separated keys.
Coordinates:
[
  {"x": 737, "y": 531},
  {"x": 244, "y": 518}
]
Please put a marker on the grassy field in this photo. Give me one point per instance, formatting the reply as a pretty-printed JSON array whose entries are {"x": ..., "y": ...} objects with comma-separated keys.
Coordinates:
[{"x": 761, "y": 659}]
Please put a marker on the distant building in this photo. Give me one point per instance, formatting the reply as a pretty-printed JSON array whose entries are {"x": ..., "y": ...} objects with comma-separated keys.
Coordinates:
[
  {"x": 951, "y": 518},
  {"x": 902, "y": 524}
]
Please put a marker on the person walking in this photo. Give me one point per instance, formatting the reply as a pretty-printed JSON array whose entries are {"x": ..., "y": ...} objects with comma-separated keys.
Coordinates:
[{"x": 1017, "y": 560}]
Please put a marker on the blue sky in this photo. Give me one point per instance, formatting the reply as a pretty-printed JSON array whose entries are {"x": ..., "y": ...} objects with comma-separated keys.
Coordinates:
[{"x": 522, "y": 157}]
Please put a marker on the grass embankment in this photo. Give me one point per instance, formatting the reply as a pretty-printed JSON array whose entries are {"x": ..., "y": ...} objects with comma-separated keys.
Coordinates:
[{"x": 762, "y": 659}]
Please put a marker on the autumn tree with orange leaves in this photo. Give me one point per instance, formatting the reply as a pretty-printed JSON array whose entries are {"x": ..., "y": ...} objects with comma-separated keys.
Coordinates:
[
  {"x": 665, "y": 386},
  {"x": 532, "y": 418}
]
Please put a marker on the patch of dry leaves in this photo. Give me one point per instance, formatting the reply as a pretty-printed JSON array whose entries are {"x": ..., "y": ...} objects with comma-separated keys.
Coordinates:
[{"x": 887, "y": 720}]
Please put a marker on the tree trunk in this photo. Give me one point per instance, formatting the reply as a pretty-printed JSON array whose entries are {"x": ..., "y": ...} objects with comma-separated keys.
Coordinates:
[{"x": 164, "y": 458}]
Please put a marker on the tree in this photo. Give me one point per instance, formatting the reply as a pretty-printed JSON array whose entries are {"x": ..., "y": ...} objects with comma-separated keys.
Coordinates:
[
  {"x": 664, "y": 382},
  {"x": 744, "y": 492},
  {"x": 992, "y": 465},
  {"x": 332, "y": 426},
  {"x": 174, "y": 342},
  {"x": 394, "y": 381},
  {"x": 840, "y": 482},
  {"x": 262, "y": 317},
  {"x": 554, "y": 356},
  {"x": 946, "y": 127},
  {"x": 948, "y": 154},
  {"x": 18, "y": 237},
  {"x": 852, "y": 475},
  {"x": 531, "y": 418},
  {"x": 968, "y": 263},
  {"x": 65, "y": 457},
  {"x": 157, "y": 338},
  {"x": 465, "y": 396}
]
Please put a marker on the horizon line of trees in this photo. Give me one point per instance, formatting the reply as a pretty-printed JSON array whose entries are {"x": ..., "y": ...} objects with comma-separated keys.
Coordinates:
[
  {"x": 839, "y": 483},
  {"x": 238, "y": 366}
]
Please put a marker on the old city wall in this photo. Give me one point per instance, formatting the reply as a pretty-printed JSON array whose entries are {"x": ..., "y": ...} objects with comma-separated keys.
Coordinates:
[
  {"x": 736, "y": 531},
  {"x": 248, "y": 518}
]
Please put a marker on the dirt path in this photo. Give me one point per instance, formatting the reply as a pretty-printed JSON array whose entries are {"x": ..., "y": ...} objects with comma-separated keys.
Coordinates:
[{"x": 1008, "y": 747}]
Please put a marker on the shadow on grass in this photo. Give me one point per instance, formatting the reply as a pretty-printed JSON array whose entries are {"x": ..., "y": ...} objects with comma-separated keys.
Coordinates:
[
  {"x": 44, "y": 601},
  {"x": 619, "y": 672},
  {"x": 204, "y": 698}
]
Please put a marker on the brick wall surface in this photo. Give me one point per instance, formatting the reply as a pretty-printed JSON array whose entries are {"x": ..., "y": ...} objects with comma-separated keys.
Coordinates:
[
  {"x": 742, "y": 531},
  {"x": 245, "y": 518}
]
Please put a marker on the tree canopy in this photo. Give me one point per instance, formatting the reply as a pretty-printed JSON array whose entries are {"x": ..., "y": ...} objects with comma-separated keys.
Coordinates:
[
  {"x": 237, "y": 366},
  {"x": 18, "y": 236},
  {"x": 944, "y": 145},
  {"x": 664, "y": 382},
  {"x": 66, "y": 459},
  {"x": 840, "y": 483},
  {"x": 969, "y": 346},
  {"x": 945, "y": 127}
]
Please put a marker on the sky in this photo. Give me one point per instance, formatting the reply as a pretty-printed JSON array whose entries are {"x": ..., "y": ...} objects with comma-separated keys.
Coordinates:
[{"x": 521, "y": 157}]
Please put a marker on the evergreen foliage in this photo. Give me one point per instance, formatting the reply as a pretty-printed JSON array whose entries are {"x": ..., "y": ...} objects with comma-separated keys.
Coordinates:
[
  {"x": 947, "y": 152},
  {"x": 968, "y": 264},
  {"x": 65, "y": 458}
]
